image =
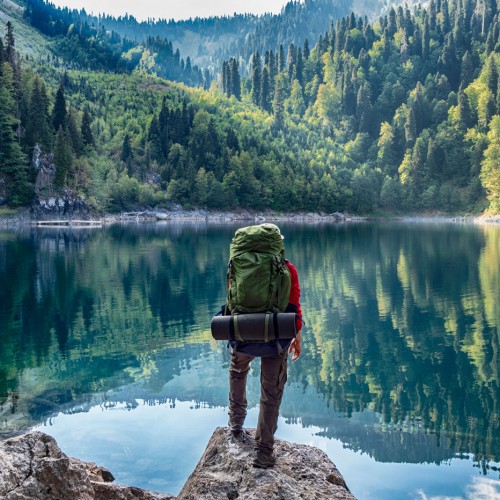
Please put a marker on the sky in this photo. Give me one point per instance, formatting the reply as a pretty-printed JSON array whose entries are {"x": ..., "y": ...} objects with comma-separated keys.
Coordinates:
[{"x": 174, "y": 9}]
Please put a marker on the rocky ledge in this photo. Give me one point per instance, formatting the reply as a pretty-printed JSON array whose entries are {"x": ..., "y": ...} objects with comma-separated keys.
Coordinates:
[
  {"x": 34, "y": 467},
  {"x": 225, "y": 471}
]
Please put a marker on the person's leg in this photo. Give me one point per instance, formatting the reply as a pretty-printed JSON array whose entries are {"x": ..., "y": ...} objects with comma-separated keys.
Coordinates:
[
  {"x": 273, "y": 377},
  {"x": 238, "y": 370}
]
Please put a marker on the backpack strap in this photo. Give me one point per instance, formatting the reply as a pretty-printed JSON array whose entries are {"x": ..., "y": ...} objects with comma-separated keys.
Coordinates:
[
  {"x": 276, "y": 327},
  {"x": 234, "y": 330},
  {"x": 231, "y": 329},
  {"x": 266, "y": 328}
]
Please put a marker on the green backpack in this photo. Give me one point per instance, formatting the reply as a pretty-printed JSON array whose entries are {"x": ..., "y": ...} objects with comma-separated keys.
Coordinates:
[{"x": 259, "y": 280}]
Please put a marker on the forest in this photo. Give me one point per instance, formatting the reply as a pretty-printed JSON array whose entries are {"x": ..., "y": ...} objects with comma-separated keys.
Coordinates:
[{"x": 397, "y": 115}]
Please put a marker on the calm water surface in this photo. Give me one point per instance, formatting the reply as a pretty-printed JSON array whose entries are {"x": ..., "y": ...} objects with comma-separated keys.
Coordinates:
[{"x": 105, "y": 344}]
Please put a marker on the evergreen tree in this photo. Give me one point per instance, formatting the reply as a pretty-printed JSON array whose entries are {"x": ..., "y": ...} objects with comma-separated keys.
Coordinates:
[
  {"x": 225, "y": 79},
  {"x": 265, "y": 91},
  {"x": 364, "y": 109},
  {"x": 426, "y": 40},
  {"x": 256, "y": 79},
  {"x": 297, "y": 104},
  {"x": 448, "y": 62},
  {"x": 126, "y": 153},
  {"x": 38, "y": 128},
  {"x": 234, "y": 78},
  {"x": 59, "y": 111},
  {"x": 410, "y": 128},
  {"x": 305, "y": 50},
  {"x": 10, "y": 44},
  {"x": 74, "y": 134},
  {"x": 278, "y": 102},
  {"x": 154, "y": 139},
  {"x": 14, "y": 171},
  {"x": 464, "y": 110},
  {"x": 467, "y": 71},
  {"x": 281, "y": 59},
  {"x": 291, "y": 59},
  {"x": 87, "y": 136}
]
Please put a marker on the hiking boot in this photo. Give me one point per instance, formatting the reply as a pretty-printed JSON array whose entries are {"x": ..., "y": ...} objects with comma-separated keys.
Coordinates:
[
  {"x": 236, "y": 432},
  {"x": 264, "y": 460}
]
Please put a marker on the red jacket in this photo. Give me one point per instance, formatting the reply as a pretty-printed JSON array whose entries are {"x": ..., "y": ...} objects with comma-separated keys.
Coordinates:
[{"x": 295, "y": 293}]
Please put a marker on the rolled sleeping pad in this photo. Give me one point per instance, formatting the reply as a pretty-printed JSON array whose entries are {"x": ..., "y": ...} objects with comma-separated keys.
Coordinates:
[{"x": 254, "y": 327}]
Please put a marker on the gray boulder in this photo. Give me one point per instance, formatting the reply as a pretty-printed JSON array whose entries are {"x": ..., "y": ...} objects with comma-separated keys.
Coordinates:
[
  {"x": 225, "y": 471},
  {"x": 33, "y": 467}
]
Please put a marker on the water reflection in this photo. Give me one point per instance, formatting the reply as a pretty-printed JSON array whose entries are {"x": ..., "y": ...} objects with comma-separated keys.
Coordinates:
[{"x": 402, "y": 339}]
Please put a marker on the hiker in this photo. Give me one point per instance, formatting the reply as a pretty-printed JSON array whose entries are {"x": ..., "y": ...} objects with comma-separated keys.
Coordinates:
[{"x": 274, "y": 358}]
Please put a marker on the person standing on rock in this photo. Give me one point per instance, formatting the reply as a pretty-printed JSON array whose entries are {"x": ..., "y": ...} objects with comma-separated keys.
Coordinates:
[{"x": 256, "y": 244}]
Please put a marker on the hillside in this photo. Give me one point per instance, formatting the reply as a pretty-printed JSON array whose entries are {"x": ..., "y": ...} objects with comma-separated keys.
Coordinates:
[{"x": 400, "y": 114}]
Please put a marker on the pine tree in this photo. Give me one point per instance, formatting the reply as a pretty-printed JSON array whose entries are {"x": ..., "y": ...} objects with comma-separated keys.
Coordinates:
[
  {"x": 225, "y": 78},
  {"x": 38, "y": 128},
  {"x": 59, "y": 111},
  {"x": 410, "y": 128},
  {"x": 448, "y": 62},
  {"x": 391, "y": 23},
  {"x": 426, "y": 38},
  {"x": 305, "y": 50},
  {"x": 464, "y": 109},
  {"x": 467, "y": 71},
  {"x": 256, "y": 79},
  {"x": 234, "y": 78},
  {"x": 291, "y": 58},
  {"x": 299, "y": 66},
  {"x": 10, "y": 44},
  {"x": 154, "y": 139},
  {"x": 126, "y": 149},
  {"x": 13, "y": 167},
  {"x": 386, "y": 41},
  {"x": 74, "y": 133},
  {"x": 278, "y": 102},
  {"x": 431, "y": 162},
  {"x": 265, "y": 91},
  {"x": 297, "y": 104},
  {"x": 281, "y": 59},
  {"x": 87, "y": 136},
  {"x": 364, "y": 109}
]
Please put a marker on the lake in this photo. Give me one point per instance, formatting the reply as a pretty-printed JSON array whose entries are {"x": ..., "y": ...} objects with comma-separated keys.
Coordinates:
[{"x": 105, "y": 344}]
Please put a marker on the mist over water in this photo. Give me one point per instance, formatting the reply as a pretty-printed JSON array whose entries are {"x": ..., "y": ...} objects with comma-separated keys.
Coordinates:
[{"x": 105, "y": 344}]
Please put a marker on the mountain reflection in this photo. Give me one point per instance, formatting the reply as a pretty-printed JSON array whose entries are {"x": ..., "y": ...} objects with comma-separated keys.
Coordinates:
[{"x": 402, "y": 341}]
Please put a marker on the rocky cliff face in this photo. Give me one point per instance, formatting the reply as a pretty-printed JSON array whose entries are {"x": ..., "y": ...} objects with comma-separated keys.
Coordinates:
[
  {"x": 34, "y": 467},
  {"x": 64, "y": 206}
]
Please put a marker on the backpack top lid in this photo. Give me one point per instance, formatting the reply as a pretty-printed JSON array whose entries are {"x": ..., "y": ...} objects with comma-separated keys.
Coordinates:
[{"x": 261, "y": 238}]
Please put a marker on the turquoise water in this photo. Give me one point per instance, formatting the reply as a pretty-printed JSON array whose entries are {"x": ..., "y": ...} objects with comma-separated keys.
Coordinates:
[{"x": 105, "y": 344}]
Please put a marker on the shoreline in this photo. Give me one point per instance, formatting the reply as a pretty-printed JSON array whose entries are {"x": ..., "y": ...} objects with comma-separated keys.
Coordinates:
[{"x": 24, "y": 218}]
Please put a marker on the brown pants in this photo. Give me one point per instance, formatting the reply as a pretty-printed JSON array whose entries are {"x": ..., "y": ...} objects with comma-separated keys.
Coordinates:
[{"x": 272, "y": 382}]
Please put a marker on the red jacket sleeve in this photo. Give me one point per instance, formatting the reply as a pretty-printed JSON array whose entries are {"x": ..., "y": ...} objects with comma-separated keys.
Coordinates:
[{"x": 295, "y": 292}]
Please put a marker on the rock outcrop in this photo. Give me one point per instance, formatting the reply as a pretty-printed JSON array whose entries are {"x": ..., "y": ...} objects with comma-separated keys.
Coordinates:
[
  {"x": 67, "y": 205},
  {"x": 225, "y": 471},
  {"x": 34, "y": 467}
]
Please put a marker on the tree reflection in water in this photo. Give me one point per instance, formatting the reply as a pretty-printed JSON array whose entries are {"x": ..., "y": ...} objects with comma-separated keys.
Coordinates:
[{"x": 401, "y": 355}]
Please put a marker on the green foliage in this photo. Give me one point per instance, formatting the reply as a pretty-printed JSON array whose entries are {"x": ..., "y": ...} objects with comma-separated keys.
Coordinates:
[
  {"x": 490, "y": 167},
  {"x": 391, "y": 115}
]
